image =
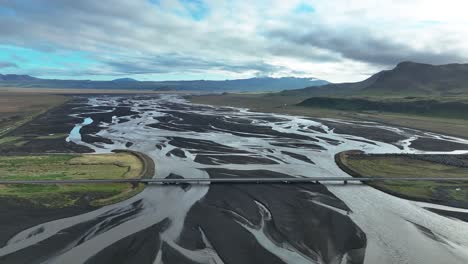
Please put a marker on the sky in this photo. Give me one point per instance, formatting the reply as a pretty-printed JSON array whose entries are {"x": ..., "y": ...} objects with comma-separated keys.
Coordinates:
[{"x": 334, "y": 40}]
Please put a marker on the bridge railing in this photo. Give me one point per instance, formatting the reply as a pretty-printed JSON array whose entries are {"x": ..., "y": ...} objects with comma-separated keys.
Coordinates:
[{"x": 235, "y": 180}]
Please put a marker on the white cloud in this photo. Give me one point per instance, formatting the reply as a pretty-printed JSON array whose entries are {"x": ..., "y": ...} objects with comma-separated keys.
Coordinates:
[{"x": 341, "y": 41}]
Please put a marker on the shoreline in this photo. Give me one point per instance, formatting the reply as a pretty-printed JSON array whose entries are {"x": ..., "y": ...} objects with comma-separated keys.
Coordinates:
[{"x": 147, "y": 162}]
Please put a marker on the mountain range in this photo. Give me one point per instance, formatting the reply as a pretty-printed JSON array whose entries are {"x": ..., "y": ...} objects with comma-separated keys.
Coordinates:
[
  {"x": 239, "y": 85},
  {"x": 406, "y": 79}
]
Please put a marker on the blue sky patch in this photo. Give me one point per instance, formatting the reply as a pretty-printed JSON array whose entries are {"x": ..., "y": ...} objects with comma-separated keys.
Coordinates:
[
  {"x": 196, "y": 8},
  {"x": 4, "y": 11},
  {"x": 156, "y": 2},
  {"x": 30, "y": 60},
  {"x": 304, "y": 8}
]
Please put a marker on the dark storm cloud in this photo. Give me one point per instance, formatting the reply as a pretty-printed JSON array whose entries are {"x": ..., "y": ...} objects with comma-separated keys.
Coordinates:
[
  {"x": 362, "y": 45},
  {"x": 5, "y": 64},
  {"x": 175, "y": 63}
]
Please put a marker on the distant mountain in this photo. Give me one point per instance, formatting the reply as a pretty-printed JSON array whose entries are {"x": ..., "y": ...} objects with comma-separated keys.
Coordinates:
[
  {"x": 241, "y": 85},
  {"x": 125, "y": 80},
  {"x": 16, "y": 78},
  {"x": 259, "y": 84},
  {"x": 406, "y": 79}
]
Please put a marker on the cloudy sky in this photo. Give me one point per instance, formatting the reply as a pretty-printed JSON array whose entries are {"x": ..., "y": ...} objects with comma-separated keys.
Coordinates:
[{"x": 335, "y": 40}]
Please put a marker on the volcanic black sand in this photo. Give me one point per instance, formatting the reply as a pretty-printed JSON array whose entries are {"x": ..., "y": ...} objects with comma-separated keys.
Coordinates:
[
  {"x": 373, "y": 133},
  {"x": 457, "y": 215},
  {"x": 56, "y": 121},
  {"x": 137, "y": 248},
  {"x": 379, "y": 134},
  {"x": 430, "y": 144},
  {"x": 300, "y": 223},
  {"x": 216, "y": 222},
  {"x": 69, "y": 237},
  {"x": 17, "y": 216}
]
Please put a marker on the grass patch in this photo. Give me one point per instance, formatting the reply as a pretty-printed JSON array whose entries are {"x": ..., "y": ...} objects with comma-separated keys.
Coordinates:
[
  {"x": 14, "y": 142},
  {"x": 6, "y": 140},
  {"x": 67, "y": 167},
  {"x": 52, "y": 136},
  {"x": 444, "y": 192}
]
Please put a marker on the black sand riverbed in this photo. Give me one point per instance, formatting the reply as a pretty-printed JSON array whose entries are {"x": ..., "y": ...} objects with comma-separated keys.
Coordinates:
[{"x": 239, "y": 223}]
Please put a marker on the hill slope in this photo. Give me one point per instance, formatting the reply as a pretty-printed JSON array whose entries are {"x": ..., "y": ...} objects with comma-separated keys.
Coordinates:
[{"x": 406, "y": 79}]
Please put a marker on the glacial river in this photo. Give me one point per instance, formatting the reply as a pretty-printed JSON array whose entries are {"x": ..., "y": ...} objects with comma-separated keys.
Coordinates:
[{"x": 245, "y": 223}]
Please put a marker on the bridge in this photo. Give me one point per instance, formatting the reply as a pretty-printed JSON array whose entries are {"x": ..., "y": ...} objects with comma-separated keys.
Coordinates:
[{"x": 175, "y": 181}]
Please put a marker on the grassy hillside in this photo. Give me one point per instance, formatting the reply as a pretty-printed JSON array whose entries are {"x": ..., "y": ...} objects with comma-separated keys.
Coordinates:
[
  {"x": 406, "y": 79},
  {"x": 409, "y": 78},
  {"x": 334, "y": 89}
]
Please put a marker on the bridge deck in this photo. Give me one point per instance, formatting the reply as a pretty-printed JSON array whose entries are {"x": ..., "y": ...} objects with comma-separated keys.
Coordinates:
[{"x": 229, "y": 180}]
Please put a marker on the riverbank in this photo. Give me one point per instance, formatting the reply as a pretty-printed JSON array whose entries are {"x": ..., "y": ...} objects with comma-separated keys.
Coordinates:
[{"x": 358, "y": 164}]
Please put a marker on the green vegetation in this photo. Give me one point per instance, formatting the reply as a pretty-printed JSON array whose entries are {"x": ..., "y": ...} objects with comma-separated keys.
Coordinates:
[
  {"x": 5, "y": 140},
  {"x": 406, "y": 79},
  {"x": 407, "y": 105},
  {"x": 52, "y": 136},
  {"x": 66, "y": 167},
  {"x": 13, "y": 141},
  {"x": 385, "y": 165}
]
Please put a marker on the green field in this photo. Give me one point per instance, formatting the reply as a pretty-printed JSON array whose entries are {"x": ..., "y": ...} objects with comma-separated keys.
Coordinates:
[
  {"x": 66, "y": 167},
  {"x": 382, "y": 165}
]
